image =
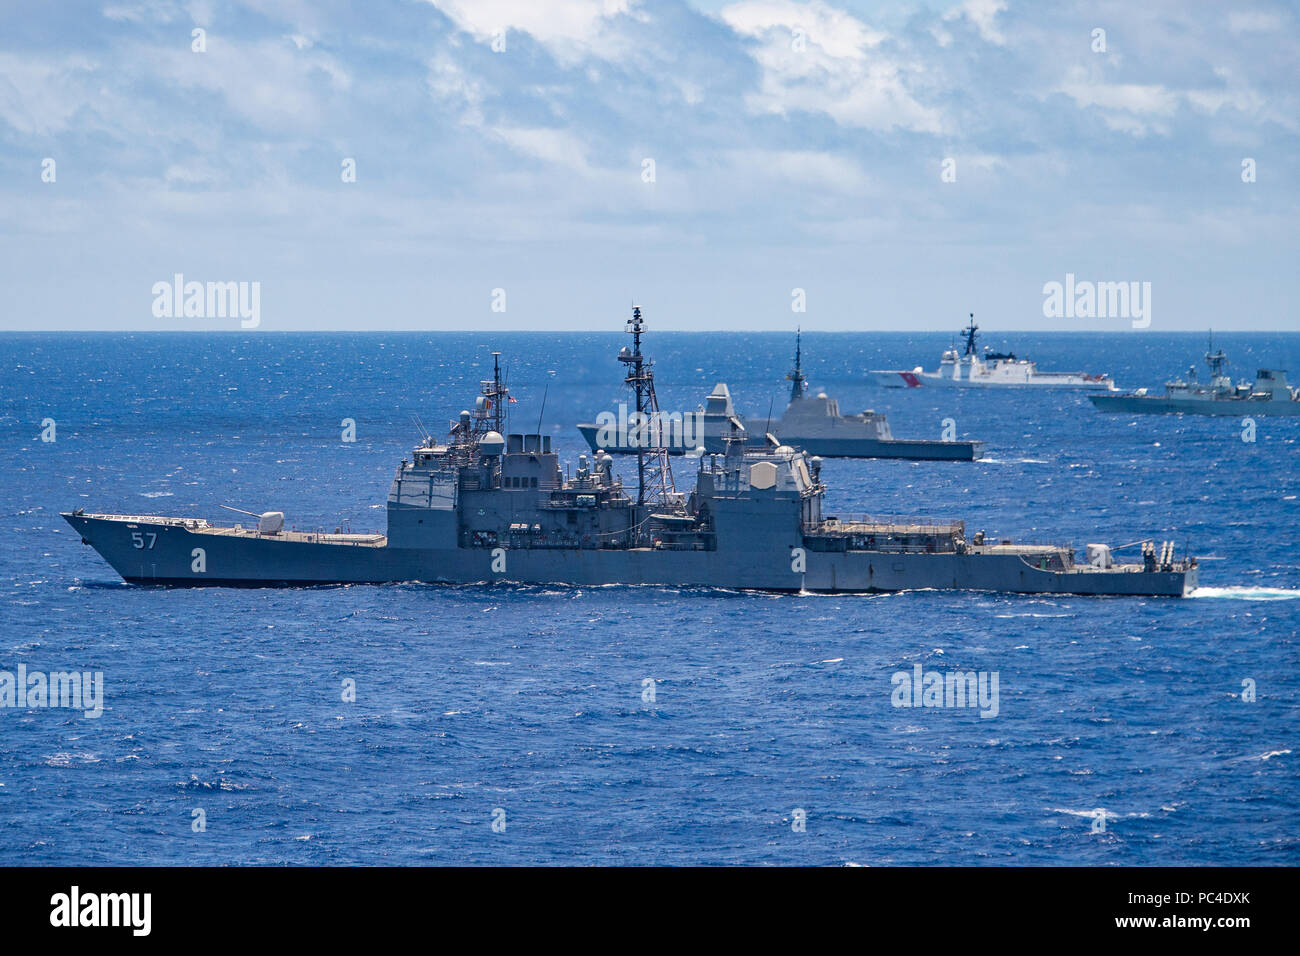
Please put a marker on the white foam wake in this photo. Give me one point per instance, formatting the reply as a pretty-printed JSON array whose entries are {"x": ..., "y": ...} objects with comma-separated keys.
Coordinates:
[{"x": 1248, "y": 594}]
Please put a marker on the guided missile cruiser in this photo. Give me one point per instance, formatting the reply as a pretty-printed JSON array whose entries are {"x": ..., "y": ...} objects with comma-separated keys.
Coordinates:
[{"x": 487, "y": 505}]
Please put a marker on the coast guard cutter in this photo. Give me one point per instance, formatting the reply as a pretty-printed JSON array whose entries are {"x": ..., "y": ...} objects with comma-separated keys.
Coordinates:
[{"x": 993, "y": 370}]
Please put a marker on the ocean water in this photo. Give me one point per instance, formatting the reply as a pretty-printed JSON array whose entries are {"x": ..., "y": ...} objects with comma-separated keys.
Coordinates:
[{"x": 527, "y": 705}]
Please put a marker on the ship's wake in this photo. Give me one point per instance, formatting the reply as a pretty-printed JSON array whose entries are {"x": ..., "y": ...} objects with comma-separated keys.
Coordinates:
[{"x": 1248, "y": 593}]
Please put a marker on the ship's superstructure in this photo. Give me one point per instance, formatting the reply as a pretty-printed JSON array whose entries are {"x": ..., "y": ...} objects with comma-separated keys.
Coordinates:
[
  {"x": 483, "y": 506},
  {"x": 992, "y": 370}
]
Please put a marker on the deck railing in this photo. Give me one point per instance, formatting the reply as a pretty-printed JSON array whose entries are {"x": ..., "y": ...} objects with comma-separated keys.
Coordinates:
[
  {"x": 358, "y": 538},
  {"x": 890, "y": 524}
]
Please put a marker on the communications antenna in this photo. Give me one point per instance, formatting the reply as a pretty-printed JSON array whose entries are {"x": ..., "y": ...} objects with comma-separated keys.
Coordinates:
[{"x": 653, "y": 472}]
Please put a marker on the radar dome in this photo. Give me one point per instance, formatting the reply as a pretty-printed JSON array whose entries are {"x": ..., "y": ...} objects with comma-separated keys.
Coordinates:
[{"x": 492, "y": 444}]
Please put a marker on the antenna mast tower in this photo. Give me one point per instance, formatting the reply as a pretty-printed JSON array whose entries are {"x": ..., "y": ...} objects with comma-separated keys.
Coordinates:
[{"x": 653, "y": 472}]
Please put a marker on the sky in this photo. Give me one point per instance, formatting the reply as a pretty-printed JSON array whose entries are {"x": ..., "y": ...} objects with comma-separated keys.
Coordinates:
[{"x": 544, "y": 164}]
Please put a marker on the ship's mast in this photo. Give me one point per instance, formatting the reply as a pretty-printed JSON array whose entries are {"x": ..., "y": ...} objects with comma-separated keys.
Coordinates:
[
  {"x": 490, "y": 413},
  {"x": 498, "y": 409},
  {"x": 653, "y": 473},
  {"x": 969, "y": 332},
  {"x": 1215, "y": 360},
  {"x": 799, "y": 383}
]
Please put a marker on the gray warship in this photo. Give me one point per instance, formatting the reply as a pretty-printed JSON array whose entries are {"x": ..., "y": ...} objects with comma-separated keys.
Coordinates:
[
  {"x": 1269, "y": 395},
  {"x": 487, "y": 505},
  {"x": 811, "y": 424}
]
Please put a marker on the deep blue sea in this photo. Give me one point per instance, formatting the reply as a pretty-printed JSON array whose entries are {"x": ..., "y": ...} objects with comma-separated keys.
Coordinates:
[{"x": 529, "y": 700}]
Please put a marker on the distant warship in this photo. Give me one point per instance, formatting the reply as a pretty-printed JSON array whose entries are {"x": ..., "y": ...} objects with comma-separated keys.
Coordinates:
[
  {"x": 811, "y": 424},
  {"x": 1270, "y": 395},
  {"x": 993, "y": 370},
  {"x": 484, "y": 506}
]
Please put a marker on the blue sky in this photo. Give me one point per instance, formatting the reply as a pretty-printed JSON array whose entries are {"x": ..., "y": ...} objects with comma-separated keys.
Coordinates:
[{"x": 796, "y": 145}]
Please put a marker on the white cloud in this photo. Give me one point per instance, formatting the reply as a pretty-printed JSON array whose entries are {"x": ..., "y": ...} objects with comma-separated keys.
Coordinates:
[
  {"x": 1141, "y": 108},
  {"x": 834, "y": 31},
  {"x": 985, "y": 162},
  {"x": 556, "y": 146},
  {"x": 817, "y": 59},
  {"x": 40, "y": 94},
  {"x": 983, "y": 14},
  {"x": 1129, "y": 97},
  {"x": 271, "y": 83},
  {"x": 160, "y": 11},
  {"x": 268, "y": 82},
  {"x": 808, "y": 168},
  {"x": 1134, "y": 108},
  {"x": 1211, "y": 101},
  {"x": 449, "y": 83},
  {"x": 570, "y": 29}
]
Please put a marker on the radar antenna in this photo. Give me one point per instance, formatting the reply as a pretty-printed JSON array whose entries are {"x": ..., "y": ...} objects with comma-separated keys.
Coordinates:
[
  {"x": 796, "y": 376},
  {"x": 653, "y": 472},
  {"x": 969, "y": 332},
  {"x": 1216, "y": 360},
  {"x": 490, "y": 409}
]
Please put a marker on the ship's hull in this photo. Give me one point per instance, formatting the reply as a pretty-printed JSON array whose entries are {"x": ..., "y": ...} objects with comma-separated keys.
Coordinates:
[
  {"x": 824, "y": 447},
  {"x": 165, "y": 552},
  {"x": 1156, "y": 405},
  {"x": 894, "y": 448},
  {"x": 905, "y": 379}
]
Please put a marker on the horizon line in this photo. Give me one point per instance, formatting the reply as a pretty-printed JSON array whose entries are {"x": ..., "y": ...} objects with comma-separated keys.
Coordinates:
[{"x": 587, "y": 331}]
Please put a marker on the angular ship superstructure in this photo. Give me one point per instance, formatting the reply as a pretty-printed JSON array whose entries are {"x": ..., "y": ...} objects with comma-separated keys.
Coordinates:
[
  {"x": 483, "y": 507},
  {"x": 992, "y": 370}
]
